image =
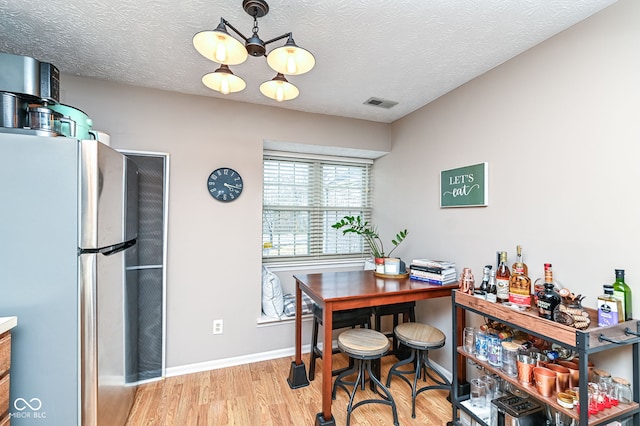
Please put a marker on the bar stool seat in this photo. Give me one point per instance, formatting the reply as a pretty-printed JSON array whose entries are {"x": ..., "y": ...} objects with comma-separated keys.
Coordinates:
[
  {"x": 363, "y": 345},
  {"x": 421, "y": 338}
]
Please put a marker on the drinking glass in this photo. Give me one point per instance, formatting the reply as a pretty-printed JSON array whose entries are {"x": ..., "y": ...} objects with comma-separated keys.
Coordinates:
[
  {"x": 489, "y": 386},
  {"x": 469, "y": 340},
  {"x": 478, "y": 393}
]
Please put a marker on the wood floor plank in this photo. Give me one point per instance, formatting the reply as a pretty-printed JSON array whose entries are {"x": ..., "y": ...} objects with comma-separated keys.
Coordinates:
[{"x": 258, "y": 395}]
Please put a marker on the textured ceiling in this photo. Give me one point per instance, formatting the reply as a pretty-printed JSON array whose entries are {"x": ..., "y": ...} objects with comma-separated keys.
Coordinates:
[{"x": 407, "y": 51}]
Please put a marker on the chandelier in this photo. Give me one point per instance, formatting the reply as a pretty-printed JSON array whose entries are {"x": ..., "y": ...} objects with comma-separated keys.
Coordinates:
[{"x": 219, "y": 46}]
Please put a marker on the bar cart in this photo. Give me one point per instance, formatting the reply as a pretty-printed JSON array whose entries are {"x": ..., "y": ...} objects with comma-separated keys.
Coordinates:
[{"x": 592, "y": 340}]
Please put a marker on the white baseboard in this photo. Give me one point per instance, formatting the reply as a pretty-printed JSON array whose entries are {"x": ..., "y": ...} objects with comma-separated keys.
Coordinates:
[{"x": 257, "y": 357}]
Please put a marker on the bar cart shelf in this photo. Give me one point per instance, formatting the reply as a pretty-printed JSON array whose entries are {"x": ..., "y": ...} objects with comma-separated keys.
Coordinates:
[{"x": 592, "y": 340}]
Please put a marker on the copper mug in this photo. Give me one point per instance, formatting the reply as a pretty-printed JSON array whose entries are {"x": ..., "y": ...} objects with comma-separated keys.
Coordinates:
[
  {"x": 545, "y": 380},
  {"x": 525, "y": 365},
  {"x": 562, "y": 377},
  {"x": 574, "y": 372}
]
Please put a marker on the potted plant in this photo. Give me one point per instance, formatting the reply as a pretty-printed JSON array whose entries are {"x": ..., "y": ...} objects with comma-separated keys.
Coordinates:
[{"x": 355, "y": 225}]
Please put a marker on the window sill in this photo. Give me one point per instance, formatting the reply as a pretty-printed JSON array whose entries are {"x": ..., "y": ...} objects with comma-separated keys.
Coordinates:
[
  {"x": 315, "y": 265},
  {"x": 265, "y": 321}
]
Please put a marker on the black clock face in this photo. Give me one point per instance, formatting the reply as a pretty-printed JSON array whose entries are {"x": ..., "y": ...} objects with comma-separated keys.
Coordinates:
[{"x": 225, "y": 184}]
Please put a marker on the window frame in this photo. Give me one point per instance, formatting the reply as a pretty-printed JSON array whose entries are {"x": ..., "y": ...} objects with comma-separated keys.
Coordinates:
[{"x": 365, "y": 210}]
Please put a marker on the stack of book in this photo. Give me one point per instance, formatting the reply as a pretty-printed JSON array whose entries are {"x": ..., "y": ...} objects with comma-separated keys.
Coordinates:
[{"x": 433, "y": 271}]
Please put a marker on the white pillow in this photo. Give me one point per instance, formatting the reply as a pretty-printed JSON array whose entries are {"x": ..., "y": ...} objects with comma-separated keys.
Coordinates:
[{"x": 272, "y": 299}]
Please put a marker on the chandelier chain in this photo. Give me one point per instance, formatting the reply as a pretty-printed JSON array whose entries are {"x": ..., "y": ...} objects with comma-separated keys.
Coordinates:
[{"x": 255, "y": 26}]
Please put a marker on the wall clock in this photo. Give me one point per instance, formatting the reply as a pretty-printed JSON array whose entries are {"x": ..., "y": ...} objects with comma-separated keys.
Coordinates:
[{"x": 225, "y": 184}]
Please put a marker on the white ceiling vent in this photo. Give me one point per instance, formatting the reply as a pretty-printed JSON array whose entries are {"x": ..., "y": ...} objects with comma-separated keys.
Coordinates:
[{"x": 382, "y": 103}]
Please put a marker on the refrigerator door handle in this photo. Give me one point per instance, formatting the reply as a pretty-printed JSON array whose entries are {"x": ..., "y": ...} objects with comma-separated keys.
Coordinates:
[{"x": 107, "y": 251}]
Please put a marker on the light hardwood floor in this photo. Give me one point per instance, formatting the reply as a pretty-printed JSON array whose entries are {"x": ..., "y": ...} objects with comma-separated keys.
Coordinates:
[{"x": 258, "y": 395}]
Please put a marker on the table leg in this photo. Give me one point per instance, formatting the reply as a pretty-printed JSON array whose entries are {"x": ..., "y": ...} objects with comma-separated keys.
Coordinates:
[
  {"x": 297, "y": 372},
  {"x": 325, "y": 418}
]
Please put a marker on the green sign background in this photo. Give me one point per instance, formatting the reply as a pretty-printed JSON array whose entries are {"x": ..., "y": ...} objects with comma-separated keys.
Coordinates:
[{"x": 465, "y": 186}]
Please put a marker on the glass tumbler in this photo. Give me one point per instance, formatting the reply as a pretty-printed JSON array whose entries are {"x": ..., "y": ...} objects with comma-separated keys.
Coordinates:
[
  {"x": 622, "y": 392},
  {"x": 468, "y": 341},
  {"x": 478, "y": 393},
  {"x": 482, "y": 345},
  {"x": 489, "y": 388}
]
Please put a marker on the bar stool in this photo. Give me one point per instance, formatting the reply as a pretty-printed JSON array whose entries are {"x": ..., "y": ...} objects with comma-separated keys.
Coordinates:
[
  {"x": 421, "y": 338},
  {"x": 341, "y": 319},
  {"x": 363, "y": 345}
]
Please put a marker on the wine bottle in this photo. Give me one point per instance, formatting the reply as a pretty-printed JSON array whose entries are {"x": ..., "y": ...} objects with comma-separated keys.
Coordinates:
[
  {"x": 502, "y": 279},
  {"x": 548, "y": 298},
  {"x": 623, "y": 292}
]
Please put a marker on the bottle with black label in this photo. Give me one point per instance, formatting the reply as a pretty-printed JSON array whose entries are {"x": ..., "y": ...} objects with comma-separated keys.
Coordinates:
[
  {"x": 491, "y": 287},
  {"x": 548, "y": 298},
  {"x": 484, "y": 285}
]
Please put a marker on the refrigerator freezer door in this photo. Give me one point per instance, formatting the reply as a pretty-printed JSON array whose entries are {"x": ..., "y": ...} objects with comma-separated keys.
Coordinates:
[{"x": 108, "y": 196}]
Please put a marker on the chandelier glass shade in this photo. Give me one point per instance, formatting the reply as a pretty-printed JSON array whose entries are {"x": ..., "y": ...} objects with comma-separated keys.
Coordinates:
[
  {"x": 223, "y": 81},
  {"x": 279, "y": 89},
  {"x": 220, "y": 47},
  {"x": 291, "y": 59}
]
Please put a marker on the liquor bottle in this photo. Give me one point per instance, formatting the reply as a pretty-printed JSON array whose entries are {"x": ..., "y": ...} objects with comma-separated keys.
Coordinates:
[
  {"x": 485, "y": 279},
  {"x": 520, "y": 284},
  {"x": 519, "y": 263},
  {"x": 467, "y": 281},
  {"x": 609, "y": 308},
  {"x": 491, "y": 287},
  {"x": 623, "y": 292},
  {"x": 548, "y": 298},
  {"x": 502, "y": 279}
]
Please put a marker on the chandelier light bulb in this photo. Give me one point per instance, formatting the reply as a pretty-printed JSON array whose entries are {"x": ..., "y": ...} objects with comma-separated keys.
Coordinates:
[
  {"x": 292, "y": 65},
  {"x": 224, "y": 85},
  {"x": 280, "y": 92},
  {"x": 220, "y": 53}
]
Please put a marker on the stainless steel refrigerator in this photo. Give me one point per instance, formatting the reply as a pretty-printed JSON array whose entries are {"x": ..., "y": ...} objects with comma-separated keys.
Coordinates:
[{"x": 67, "y": 271}]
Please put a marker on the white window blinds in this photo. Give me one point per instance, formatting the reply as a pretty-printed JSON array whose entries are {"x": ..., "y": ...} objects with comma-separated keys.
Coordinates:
[{"x": 302, "y": 198}]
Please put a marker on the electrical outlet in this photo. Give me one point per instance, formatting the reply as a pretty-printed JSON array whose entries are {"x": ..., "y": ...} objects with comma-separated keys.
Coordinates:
[{"x": 217, "y": 326}]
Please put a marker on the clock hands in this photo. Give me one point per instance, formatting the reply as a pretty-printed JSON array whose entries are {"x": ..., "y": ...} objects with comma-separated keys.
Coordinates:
[{"x": 236, "y": 187}]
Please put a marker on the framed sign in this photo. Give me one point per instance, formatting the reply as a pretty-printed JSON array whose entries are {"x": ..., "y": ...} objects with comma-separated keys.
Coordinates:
[{"x": 465, "y": 186}]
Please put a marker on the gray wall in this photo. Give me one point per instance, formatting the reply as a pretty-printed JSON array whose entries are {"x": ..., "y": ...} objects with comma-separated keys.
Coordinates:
[
  {"x": 214, "y": 255},
  {"x": 558, "y": 125}
]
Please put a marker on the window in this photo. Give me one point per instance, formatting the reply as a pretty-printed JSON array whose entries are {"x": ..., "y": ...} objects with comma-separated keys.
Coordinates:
[{"x": 303, "y": 197}]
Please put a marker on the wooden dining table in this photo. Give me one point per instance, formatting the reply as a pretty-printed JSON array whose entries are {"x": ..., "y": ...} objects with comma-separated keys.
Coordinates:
[{"x": 337, "y": 291}]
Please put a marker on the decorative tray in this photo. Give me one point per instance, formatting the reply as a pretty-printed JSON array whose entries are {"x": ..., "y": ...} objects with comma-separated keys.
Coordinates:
[{"x": 378, "y": 274}]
